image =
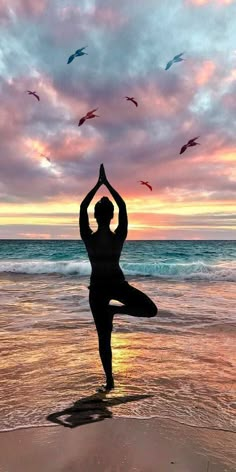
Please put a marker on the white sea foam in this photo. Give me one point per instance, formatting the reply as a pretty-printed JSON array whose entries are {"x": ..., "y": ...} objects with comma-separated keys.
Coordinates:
[
  {"x": 198, "y": 270},
  {"x": 34, "y": 266}
]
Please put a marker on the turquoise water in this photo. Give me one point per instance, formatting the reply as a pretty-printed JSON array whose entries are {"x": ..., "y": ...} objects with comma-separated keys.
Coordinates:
[
  {"x": 184, "y": 357},
  {"x": 201, "y": 260}
]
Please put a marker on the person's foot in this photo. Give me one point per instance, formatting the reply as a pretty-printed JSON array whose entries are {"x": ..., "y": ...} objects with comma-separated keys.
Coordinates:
[{"x": 107, "y": 387}]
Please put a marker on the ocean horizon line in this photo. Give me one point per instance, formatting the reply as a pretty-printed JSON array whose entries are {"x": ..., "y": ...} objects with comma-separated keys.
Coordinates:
[{"x": 127, "y": 240}]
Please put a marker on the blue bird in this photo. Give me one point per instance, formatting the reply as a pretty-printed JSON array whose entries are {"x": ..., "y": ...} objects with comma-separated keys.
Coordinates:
[
  {"x": 77, "y": 53},
  {"x": 80, "y": 52},
  {"x": 177, "y": 58}
]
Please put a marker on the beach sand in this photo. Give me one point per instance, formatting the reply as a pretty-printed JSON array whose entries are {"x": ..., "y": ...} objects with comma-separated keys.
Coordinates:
[{"x": 118, "y": 445}]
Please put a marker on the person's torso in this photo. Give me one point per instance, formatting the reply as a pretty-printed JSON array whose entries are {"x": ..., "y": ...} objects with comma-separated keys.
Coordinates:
[{"x": 104, "y": 251}]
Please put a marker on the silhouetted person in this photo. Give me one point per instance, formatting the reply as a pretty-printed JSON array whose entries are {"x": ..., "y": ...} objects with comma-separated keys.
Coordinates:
[{"x": 107, "y": 281}]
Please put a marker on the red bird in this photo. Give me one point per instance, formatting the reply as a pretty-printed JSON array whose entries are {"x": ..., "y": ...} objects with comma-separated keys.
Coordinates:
[
  {"x": 82, "y": 120},
  {"x": 88, "y": 116},
  {"x": 190, "y": 143},
  {"x": 145, "y": 183},
  {"x": 91, "y": 112},
  {"x": 131, "y": 99},
  {"x": 34, "y": 94},
  {"x": 91, "y": 116}
]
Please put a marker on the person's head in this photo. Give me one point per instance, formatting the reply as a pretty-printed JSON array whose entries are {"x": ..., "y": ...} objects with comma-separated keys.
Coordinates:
[{"x": 104, "y": 211}]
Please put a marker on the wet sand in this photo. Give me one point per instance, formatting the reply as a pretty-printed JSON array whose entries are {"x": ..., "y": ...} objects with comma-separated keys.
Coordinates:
[{"x": 118, "y": 445}]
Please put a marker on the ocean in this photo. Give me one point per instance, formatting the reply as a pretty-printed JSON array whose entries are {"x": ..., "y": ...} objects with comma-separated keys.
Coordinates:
[{"x": 184, "y": 359}]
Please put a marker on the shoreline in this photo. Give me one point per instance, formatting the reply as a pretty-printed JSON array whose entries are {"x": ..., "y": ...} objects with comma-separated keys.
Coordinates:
[
  {"x": 151, "y": 418},
  {"x": 118, "y": 445}
]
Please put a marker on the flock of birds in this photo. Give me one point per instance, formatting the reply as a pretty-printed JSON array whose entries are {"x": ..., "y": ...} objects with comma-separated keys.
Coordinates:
[{"x": 91, "y": 114}]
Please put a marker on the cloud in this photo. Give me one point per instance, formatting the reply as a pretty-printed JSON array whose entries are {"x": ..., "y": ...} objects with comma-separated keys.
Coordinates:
[
  {"x": 33, "y": 235},
  {"x": 214, "y": 2},
  {"x": 26, "y": 7},
  {"x": 128, "y": 48},
  {"x": 205, "y": 73}
]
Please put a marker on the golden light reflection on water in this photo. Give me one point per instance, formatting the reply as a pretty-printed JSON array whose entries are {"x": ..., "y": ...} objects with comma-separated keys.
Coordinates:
[
  {"x": 49, "y": 351},
  {"x": 123, "y": 352}
]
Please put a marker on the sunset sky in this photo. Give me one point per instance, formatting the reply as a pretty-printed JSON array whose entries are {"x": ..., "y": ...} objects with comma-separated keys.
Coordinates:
[{"x": 129, "y": 43}]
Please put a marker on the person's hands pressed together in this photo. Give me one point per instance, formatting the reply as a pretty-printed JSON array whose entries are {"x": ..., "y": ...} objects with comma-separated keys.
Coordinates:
[{"x": 102, "y": 175}]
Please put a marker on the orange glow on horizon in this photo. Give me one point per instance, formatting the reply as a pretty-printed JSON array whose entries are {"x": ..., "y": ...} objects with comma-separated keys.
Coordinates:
[{"x": 152, "y": 219}]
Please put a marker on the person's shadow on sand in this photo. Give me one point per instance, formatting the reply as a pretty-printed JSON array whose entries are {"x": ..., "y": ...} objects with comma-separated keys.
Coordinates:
[{"x": 90, "y": 409}]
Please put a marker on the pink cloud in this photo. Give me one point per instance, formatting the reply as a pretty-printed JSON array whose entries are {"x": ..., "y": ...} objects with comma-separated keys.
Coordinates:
[
  {"x": 63, "y": 148},
  {"x": 4, "y": 12},
  {"x": 65, "y": 13},
  {"x": 27, "y": 7},
  {"x": 205, "y": 2},
  {"x": 21, "y": 8},
  {"x": 66, "y": 146},
  {"x": 231, "y": 77},
  {"x": 228, "y": 101},
  {"x": 101, "y": 16},
  {"x": 76, "y": 21},
  {"x": 155, "y": 104},
  {"x": 205, "y": 72},
  {"x": 109, "y": 17},
  {"x": 34, "y": 235}
]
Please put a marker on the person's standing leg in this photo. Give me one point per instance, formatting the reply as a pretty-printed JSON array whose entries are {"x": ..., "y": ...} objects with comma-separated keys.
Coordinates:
[{"x": 103, "y": 319}]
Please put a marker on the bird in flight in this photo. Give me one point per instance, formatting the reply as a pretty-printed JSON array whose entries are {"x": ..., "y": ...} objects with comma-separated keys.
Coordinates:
[
  {"x": 34, "y": 94},
  {"x": 190, "y": 143},
  {"x": 177, "y": 58},
  {"x": 131, "y": 99},
  {"x": 88, "y": 116},
  {"x": 145, "y": 183},
  {"x": 91, "y": 113},
  {"x": 79, "y": 52}
]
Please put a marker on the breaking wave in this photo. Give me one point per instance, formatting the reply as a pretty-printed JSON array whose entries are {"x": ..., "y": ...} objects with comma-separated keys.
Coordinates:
[{"x": 198, "y": 270}]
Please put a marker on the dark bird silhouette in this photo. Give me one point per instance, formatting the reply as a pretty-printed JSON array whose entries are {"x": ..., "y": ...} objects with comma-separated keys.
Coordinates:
[
  {"x": 80, "y": 52},
  {"x": 82, "y": 120},
  {"x": 77, "y": 53},
  {"x": 190, "y": 143},
  {"x": 91, "y": 116},
  {"x": 145, "y": 183},
  {"x": 91, "y": 112},
  {"x": 177, "y": 58},
  {"x": 131, "y": 99},
  {"x": 88, "y": 116},
  {"x": 34, "y": 94},
  {"x": 71, "y": 58}
]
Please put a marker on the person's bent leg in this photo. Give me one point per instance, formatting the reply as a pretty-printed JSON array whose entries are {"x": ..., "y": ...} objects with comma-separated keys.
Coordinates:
[
  {"x": 103, "y": 321},
  {"x": 135, "y": 302}
]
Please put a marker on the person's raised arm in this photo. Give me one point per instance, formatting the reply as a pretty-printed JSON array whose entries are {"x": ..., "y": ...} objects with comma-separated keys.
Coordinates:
[
  {"x": 122, "y": 227},
  {"x": 85, "y": 229}
]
